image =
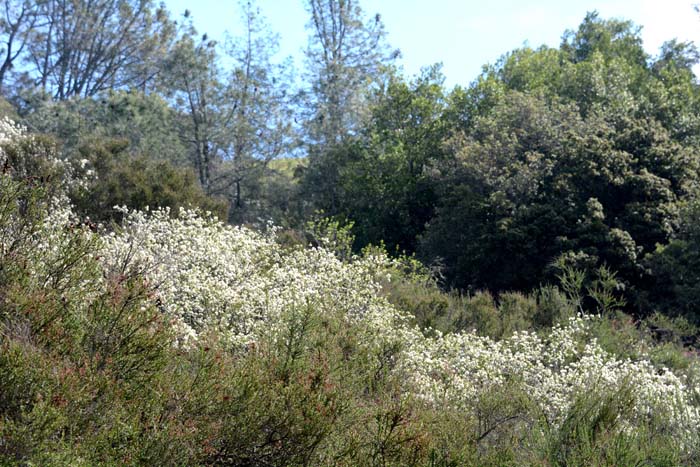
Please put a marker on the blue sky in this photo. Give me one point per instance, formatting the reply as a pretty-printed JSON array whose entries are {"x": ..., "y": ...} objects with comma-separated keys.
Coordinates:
[{"x": 463, "y": 35}]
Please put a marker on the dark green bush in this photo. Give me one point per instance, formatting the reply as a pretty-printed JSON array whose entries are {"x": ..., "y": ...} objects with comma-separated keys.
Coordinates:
[{"x": 137, "y": 182}]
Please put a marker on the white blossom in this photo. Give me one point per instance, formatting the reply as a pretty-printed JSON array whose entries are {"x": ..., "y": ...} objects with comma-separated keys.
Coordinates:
[{"x": 213, "y": 276}]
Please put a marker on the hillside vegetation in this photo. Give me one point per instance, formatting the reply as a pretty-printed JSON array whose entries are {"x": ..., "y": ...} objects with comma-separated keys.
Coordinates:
[
  {"x": 176, "y": 339},
  {"x": 207, "y": 258}
]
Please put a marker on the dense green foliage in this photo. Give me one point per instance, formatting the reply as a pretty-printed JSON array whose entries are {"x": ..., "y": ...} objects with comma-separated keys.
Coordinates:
[
  {"x": 383, "y": 173},
  {"x": 146, "y": 122},
  {"x": 91, "y": 372},
  {"x": 581, "y": 156},
  {"x": 575, "y": 154},
  {"x": 137, "y": 181},
  {"x": 676, "y": 268},
  {"x": 205, "y": 260}
]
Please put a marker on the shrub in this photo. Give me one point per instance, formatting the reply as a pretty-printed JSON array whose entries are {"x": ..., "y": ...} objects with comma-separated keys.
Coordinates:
[
  {"x": 137, "y": 182},
  {"x": 183, "y": 341}
]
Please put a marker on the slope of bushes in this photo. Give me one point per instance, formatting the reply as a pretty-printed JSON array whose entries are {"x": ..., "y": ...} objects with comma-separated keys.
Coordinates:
[{"x": 178, "y": 340}]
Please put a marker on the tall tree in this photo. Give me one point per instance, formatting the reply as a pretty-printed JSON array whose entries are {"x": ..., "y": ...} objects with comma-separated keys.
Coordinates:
[
  {"x": 19, "y": 18},
  {"x": 583, "y": 153},
  {"x": 146, "y": 121},
  {"x": 193, "y": 82},
  {"x": 383, "y": 183},
  {"x": 259, "y": 127},
  {"x": 84, "y": 47},
  {"x": 235, "y": 120},
  {"x": 346, "y": 54}
]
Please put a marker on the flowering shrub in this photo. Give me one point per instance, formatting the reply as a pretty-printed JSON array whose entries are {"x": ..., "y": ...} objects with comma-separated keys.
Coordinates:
[
  {"x": 456, "y": 369},
  {"x": 209, "y": 276},
  {"x": 286, "y": 354},
  {"x": 10, "y": 131},
  {"x": 27, "y": 156}
]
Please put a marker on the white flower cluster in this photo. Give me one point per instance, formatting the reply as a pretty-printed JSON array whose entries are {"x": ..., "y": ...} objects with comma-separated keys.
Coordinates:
[
  {"x": 457, "y": 369},
  {"x": 72, "y": 175},
  {"x": 212, "y": 276},
  {"x": 45, "y": 243},
  {"x": 10, "y": 131}
]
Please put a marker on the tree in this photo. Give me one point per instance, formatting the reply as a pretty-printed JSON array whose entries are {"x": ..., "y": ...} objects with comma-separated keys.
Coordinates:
[
  {"x": 85, "y": 47},
  {"x": 346, "y": 55},
  {"x": 505, "y": 201},
  {"x": 259, "y": 127},
  {"x": 192, "y": 78},
  {"x": 382, "y": 183},
  {"x": 145, "y": 121},
  {"x": 19, "y": 18},
  {"x": 533, "y": 181},
  {"x": 582, "y": 154},
  {"x": 675, "y": 288},
  {"x": 611, "y": 38},
  {"x": 235, "y": 120}
]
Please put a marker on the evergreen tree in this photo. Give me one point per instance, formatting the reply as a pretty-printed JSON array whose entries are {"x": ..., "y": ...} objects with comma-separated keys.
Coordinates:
[
  {"x": 259, "y": 127},
  {"x": 347, "y": 56},
  {"x": 81, "y": 48}
]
